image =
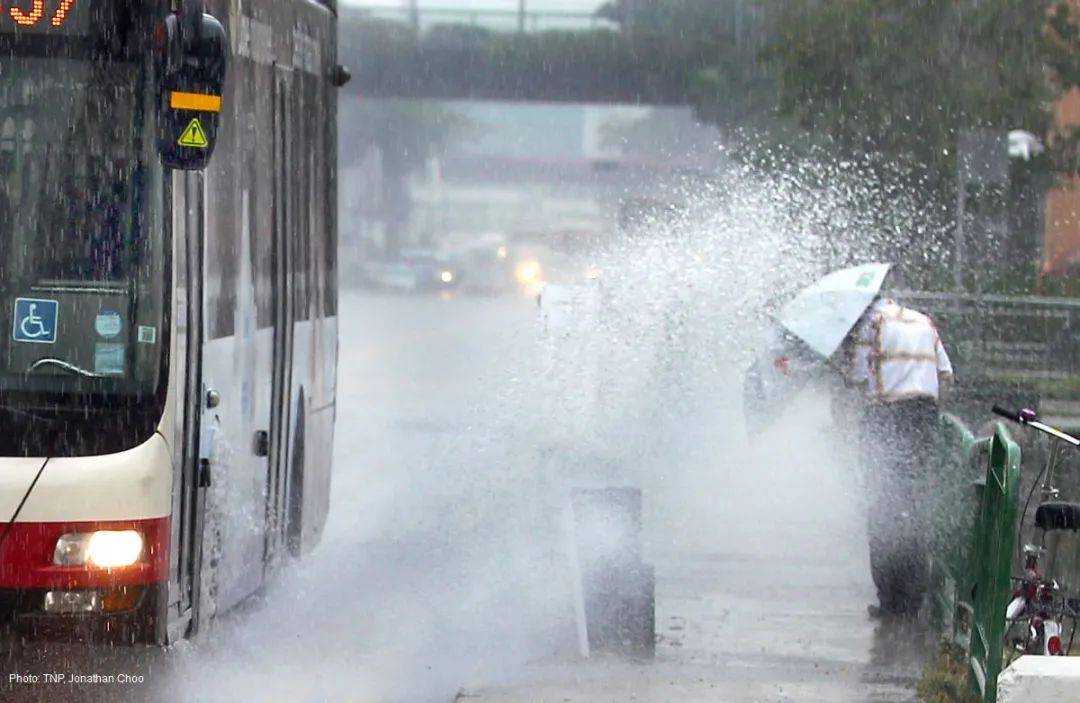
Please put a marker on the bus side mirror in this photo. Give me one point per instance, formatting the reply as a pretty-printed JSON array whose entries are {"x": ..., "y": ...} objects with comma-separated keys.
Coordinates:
[{"x": 192, "y": 53}]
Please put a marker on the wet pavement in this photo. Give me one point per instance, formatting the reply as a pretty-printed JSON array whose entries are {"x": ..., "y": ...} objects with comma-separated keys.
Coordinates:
[
  {"x": 762, "y": 574},
  {"x": 747, "y": 628}
]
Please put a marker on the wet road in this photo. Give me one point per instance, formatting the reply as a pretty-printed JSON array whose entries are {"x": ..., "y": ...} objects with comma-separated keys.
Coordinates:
[
  {"x": 760, "y": 554},
  {"x": 761, "y": 561},
  {"x": 442, "y": 568}
]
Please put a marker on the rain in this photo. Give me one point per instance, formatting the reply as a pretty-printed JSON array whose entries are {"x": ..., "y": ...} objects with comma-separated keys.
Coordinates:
[{"x": 517, "y": 351}]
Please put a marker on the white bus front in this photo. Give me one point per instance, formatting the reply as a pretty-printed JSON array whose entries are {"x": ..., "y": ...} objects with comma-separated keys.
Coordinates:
[{"x": 86, "y": 472}]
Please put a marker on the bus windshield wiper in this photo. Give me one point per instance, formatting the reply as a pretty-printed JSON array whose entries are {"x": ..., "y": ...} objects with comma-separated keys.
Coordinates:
[{"x": 66, "y": 366}]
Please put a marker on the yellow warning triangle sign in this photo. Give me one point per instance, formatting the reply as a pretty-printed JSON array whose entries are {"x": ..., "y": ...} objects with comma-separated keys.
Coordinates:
[{"x": 194, "y": 135}]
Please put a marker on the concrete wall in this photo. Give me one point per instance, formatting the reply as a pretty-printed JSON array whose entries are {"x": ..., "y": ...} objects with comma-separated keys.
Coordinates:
[{"x": 1034, "y": 679}]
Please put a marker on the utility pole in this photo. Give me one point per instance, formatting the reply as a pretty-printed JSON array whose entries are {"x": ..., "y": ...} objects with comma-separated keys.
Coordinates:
[
  {"x": 414, "y": 14},
  {"x": 630, "y": 15},
  {"x": 521, "y": 16},
  {"x": 982, "y": 165},
  {"x": 959, "y": 230}
]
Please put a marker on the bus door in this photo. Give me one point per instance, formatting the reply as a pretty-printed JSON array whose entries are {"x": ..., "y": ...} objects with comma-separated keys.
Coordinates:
[
  {"x": 190, "y": 469},
  {"x": 285, "y": 243}
]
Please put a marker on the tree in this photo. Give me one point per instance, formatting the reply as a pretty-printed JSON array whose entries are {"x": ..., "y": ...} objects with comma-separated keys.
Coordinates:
[
  {"x": 718, "y": 44},
  {"x": 1061, "y": 50},
  {"x": 405, "y": 134},
  {"x": 909, "y": 83},
  {"x": 905, "y": 78}
]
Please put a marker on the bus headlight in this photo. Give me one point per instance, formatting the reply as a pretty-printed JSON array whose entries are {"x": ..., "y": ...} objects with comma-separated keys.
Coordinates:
[{"x": 105, "y": 549}]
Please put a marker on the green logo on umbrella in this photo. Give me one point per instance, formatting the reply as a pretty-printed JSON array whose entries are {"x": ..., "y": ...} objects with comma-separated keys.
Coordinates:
[{"x": 865, "y": 280}]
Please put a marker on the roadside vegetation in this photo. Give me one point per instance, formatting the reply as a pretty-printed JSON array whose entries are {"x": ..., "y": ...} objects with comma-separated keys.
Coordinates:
[{"x": 946, "y": 680}]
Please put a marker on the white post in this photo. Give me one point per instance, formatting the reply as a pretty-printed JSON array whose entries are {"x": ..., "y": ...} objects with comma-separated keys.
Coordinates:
[
  {"x": 961, "y": 209},
  {"x": 577, "y": 585}
]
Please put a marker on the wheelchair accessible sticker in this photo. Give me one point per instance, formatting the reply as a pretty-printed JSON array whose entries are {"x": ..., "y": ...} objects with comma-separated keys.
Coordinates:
[{"x": 35, "y": 321}]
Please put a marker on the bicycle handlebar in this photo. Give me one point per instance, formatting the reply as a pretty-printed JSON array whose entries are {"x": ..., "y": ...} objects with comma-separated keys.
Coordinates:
[
  {"x": 1008, "y": 414},
  {"x": 1031, "y": 419}
]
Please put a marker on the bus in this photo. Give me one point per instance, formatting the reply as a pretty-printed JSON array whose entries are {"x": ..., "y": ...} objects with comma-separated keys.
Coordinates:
[{"x": 168, "y": 287}]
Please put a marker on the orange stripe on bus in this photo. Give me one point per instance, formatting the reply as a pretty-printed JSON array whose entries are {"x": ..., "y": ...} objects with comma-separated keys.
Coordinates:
[{"x": 195, "y": 101}]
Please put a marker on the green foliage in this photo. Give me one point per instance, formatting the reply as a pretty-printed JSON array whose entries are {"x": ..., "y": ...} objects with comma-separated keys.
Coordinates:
[
  {"x": 1021, "y": 278},
  {"x": 711, "y": 26},
  {"x": 406, "y": 131},
  {"x": 904, "y": 78},
  {"x": 701, "y": 50},
  {"x": 887, "y": 83},
  {"x": 1061, "y": 51},
  {"x": 404, "y": 134},
  {"x": 721, "y": 73},
  {"x": 1061, "y": 44},
  {"x": 456, "y": 62},
  {"x": 946, "y": 680},
  {"x": 899, "y": 78}
]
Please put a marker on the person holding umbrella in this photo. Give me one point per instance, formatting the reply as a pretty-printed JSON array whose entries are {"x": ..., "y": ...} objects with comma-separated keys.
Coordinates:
[
  {"x": 895, "y": 358},
  {"x": 901, "y": 366}
]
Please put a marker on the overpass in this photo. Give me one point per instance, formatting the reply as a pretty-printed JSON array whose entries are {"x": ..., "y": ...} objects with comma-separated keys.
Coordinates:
[
  {"x": 522, "y": 55},
  {"x": 521, "y": 20}
]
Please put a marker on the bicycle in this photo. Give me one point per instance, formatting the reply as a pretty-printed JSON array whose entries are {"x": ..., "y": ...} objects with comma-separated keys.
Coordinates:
[{"x": 1038, "y": 606}]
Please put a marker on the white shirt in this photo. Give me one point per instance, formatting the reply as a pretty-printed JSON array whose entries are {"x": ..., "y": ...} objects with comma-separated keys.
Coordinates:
[{"x": 898, "y": 354}]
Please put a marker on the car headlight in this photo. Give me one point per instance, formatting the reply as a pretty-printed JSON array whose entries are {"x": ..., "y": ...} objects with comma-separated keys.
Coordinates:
[
  {"x": 447, "y": 276},
  {"x": 527, "y": 272},
  {"x": 105, "y": 549}
]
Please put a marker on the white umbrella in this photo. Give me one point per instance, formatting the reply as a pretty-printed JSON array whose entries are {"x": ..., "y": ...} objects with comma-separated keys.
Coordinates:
[{"x": 823, "y": 313}]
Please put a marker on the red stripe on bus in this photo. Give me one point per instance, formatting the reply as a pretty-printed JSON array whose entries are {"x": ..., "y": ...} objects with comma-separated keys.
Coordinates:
[{"x": 26, "y": 556}]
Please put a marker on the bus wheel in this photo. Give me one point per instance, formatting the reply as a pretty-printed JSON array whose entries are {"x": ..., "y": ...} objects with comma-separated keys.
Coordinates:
[{"x": 294, "y": 523}]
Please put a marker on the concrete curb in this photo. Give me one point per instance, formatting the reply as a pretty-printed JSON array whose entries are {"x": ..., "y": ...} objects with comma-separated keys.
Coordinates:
[{"x": 1034, "y": 678}]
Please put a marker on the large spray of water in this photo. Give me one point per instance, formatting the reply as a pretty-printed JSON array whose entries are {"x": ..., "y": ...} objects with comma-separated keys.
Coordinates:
[{"x": 462, "y": 429}]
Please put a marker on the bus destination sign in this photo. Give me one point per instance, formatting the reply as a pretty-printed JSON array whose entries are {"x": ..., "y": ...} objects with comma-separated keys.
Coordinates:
[{"x": 62, "y": 17}]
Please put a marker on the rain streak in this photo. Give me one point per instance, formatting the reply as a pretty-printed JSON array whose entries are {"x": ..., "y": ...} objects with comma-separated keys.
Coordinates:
[{"x": 527, "y": 351}]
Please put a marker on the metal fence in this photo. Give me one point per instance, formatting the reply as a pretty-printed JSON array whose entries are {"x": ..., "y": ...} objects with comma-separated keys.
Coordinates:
[
  {"x": 957, "y": 492},
  {"x": 973, "y": 543},
  {"x": 1023, "y": 350}
]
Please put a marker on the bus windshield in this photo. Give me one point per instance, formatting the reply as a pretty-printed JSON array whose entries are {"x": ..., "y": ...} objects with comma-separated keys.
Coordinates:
[{"x": 82, "y": 279}]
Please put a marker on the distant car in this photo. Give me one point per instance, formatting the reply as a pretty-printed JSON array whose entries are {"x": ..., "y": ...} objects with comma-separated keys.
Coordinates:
[
  {"x": 488, "y": 268},
  {"x": 432, "y": 271},
  {"x": 413, "y": 271},
  {"x": 393, "y": 276}
]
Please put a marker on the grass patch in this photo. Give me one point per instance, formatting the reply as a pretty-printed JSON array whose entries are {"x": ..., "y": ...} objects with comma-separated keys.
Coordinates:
[{"x": 946, "y": 680}]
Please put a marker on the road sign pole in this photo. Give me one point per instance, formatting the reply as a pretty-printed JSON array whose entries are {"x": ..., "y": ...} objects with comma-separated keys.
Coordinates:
[{"x": 961, "y": 210}]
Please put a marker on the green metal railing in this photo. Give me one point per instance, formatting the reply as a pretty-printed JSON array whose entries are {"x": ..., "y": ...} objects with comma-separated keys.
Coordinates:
[
  {"x": 977, "y": 491},
  {"x": 957, "y": 500}
]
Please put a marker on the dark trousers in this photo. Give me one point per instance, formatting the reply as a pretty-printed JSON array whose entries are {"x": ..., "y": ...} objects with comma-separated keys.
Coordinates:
[{"x": 897, "y": 441}]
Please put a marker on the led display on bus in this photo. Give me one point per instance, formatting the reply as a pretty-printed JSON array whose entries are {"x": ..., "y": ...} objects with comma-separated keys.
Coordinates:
[{"x": 65, "y": 17}]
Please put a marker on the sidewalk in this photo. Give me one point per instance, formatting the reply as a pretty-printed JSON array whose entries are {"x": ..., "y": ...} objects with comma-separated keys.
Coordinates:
[{"x": 789, "y": 624}]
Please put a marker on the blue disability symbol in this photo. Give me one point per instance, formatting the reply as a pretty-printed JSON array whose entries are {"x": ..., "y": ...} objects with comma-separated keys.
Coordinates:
[{"x": 35, "y": 321}]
